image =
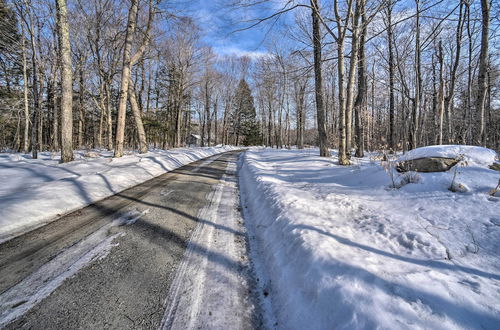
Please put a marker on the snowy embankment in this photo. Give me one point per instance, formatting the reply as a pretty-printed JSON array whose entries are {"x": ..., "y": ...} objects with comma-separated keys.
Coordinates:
[
  {"x": 36, "y": 191},
  {"x": 339, "y": 249}
]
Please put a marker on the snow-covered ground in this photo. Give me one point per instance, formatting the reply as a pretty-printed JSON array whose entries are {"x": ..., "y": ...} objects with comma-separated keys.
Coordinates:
[
  {"x": 337, "y": 248},
  {"x": 36, "y": 191}
]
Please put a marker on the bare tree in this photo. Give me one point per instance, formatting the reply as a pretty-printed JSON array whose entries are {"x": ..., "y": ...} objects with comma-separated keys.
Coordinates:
[
  {"x": 318, "y": 80},
  {"x": 482, "y": 83},
  {"x": 66, "y": 82},
  {"x": 388, "y": 24},
  {"x": 128, "y": 61},
  {"x": 361, "y": 99}
]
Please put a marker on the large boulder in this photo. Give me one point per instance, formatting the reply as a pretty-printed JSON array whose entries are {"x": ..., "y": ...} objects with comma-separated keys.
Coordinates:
[{"x": 427, "y": 164}]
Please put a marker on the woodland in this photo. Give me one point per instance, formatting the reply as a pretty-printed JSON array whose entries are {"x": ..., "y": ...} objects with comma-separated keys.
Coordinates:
[{"x": 354, "y": 75}]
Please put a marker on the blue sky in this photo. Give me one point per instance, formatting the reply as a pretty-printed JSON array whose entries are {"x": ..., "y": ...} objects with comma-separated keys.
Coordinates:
[{"x": 219, "y": 22}]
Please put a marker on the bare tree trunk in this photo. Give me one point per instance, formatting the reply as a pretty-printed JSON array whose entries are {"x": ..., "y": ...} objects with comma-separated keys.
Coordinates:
[
  {"x": 468, "y": 107},
  {"x": 25, "y": 90},
  {"x": 66, "y": 83},
  {"x": 125, "y": 79},
  {"x": 448, "y": 101},
  {"x": 178, "y": 125},
  {"x": 352, "y": 76},
  {"x": 55, "y": 123},
  {"x": 361, "y": 99},
  {"x": 128, "y": 61},
  {"x": 392, "y": 129},
  {"x": 482, "y": 83},
  {"x": 36, "y": 102},
  {"x": 300, "y": 89},
  {"x": 55, "y": 113},
  {"x": 441, "y": 91},
  {"x": 81, "y": 113},
  {"x": 318, "y": 80},
  {"x": 418, "y": 81},
  {"x": 215, "y": 120},
  {"x": 136, "y": 112},
  {"x": 341, "y": 32},
  {"x": 109, "y": 120},
  {"x": 206, "y": 117}
]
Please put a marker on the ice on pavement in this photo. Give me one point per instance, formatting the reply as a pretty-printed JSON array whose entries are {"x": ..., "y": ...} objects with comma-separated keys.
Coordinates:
[
  {"x": 20, "y": 298},
  {"x": 340, "y": 249}
]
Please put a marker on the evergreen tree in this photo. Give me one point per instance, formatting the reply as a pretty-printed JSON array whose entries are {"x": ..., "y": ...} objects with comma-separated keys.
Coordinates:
[
  {"x": 10, "y": 62},
  {"x": 10, "y": 77},
  {"x": 244, "y": 122}
]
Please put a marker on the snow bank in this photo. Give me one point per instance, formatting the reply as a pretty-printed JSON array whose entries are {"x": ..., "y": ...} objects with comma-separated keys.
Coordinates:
[
  {"x": 36, "y": 191},
  {"x": 340, "y": 250},
  {"x": 472, "y": 154}
]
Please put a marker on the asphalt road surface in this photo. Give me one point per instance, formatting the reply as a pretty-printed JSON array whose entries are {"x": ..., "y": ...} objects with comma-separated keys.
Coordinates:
[{"x": 121, "y": 263}]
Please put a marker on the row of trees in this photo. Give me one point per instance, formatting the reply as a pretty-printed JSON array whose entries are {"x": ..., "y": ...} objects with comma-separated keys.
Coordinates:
[
  {"x": 388, "y": 74},
  {"x": 129, "y": 74},
  {"x": 351, "y": 74}
]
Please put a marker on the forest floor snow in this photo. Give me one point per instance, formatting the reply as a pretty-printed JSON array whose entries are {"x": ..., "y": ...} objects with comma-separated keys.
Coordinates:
[
  {"x": 36, "y": 191},
  {"x": 336, "y": 247}
]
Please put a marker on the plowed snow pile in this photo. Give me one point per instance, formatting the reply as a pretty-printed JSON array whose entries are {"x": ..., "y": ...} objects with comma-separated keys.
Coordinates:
[
  {"x": 35, "y": 191},
  {"x": 339, "y": 249}
]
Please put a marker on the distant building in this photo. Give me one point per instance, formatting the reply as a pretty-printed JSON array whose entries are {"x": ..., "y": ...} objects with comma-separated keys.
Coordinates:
[{"x": 193, "y": 140}]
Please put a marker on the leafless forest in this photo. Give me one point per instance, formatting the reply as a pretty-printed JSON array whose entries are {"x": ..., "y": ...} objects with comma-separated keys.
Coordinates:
[{"x": 355, "y": 75}]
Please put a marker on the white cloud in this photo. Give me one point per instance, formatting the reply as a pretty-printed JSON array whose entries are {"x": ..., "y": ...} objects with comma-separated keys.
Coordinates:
[{"x": 235, "y": 51}]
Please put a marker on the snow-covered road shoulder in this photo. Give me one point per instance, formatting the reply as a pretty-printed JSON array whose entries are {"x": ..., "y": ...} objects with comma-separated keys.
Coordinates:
[
  {"x": 34, "y": 192},
  {"x": 342, "y": 250}
]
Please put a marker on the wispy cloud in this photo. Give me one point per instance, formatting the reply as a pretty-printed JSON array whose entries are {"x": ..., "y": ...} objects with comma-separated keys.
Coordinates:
[
  {"x": 219, "y": 22},
  {"x": 235, "y": 51}
]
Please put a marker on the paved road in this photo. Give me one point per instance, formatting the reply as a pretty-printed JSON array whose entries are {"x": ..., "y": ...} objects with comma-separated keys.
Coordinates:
[{"x": 112, "y": 264}]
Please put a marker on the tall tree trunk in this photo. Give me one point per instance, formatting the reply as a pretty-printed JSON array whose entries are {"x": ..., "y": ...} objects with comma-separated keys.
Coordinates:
[
  {"x": 109, "y": 117},
  {"x": 215, "y": 120},
  {"x": 468, "y": 107},
  {"x": 36, "y": 96},
  {"x": 361, "y": 99},
  {"x": 300, "y": 98},
  {"x": 206, "y": 117},
  {"x": 66, "y": 82},
  {"x": 81, "y": 110},
  {"x": 352, "y": 76},
  {"x": 482, "y": 83},
  {"x": 52, "y": 103},
  {"x": 25, "y": 91},
  {"x": 125, "y": 79},
  {"x": 448, "y": 101},
  {"x": 418, "y": 81},
  {"x": 128, "y": 61},
  {"x": 318, "y": 81},
  {"x": 390, "y": 38},
  {"x": 136, "y": 112},
  {"x": 55, "y": 122},
  {"x": 441, "y": 91}
]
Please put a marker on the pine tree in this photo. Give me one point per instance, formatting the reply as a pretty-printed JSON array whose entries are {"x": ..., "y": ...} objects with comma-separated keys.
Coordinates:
[
  {"x": 10, "y": 76},
  {"x": 10, "y": 39},
  {"x": 244, "y": 122}
]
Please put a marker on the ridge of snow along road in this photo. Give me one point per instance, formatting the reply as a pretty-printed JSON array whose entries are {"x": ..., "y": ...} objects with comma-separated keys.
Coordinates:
[
  {"x": 339, "y": 249},
  {"x": 34, "y": 192}
]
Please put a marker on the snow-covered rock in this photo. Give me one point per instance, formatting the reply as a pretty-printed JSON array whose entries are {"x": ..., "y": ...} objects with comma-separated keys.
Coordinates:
[
  {"x": 473, "y": 155},
  {"x": 427, "y": 164}
]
